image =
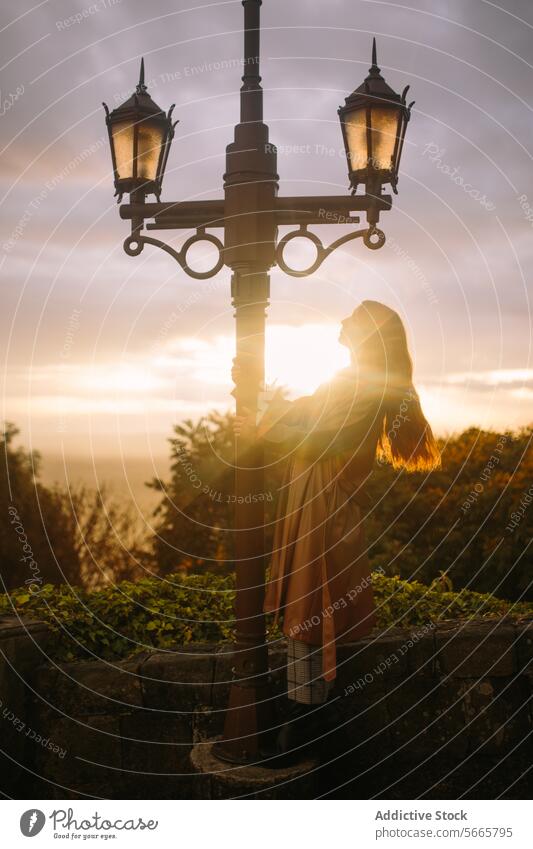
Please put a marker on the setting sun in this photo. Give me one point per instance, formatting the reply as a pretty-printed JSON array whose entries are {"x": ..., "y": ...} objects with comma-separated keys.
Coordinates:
[{"x": 301, "y": 358}]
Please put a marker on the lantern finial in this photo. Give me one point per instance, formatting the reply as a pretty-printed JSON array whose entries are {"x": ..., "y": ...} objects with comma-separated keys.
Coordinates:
[
  {"x": 374, "y": 70},
  {"x": 141, "y": 88}
]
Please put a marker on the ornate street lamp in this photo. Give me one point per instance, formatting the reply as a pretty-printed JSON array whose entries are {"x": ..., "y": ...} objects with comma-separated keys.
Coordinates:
[
  {"x": 374, "y": 121},
  {"x": 140, "y": 134}
]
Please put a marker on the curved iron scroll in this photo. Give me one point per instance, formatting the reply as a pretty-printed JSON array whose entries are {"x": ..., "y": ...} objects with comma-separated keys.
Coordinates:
[
  {"x": 135, "y": 243},
  {"x": 372, "y": 237}
]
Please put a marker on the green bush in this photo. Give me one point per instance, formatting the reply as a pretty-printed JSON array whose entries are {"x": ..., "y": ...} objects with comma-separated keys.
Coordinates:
[{"x": 164, "y": 613}]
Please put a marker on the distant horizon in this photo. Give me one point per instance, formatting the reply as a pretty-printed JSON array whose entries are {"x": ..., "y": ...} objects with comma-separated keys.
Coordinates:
[
  {"x": 135, "y": 453},
  {"x": 51, "y": 456},
  {"x": 128, "y": 474}
]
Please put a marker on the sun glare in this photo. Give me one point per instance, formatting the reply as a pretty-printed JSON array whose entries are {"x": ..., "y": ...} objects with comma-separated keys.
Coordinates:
[
  {"x": 301, "y": 358},
  {"x": 298, "y": 358}
]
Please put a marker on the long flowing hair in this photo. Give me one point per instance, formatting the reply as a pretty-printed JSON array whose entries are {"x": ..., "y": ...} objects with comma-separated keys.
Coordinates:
[{"x": 379, "y": 342}]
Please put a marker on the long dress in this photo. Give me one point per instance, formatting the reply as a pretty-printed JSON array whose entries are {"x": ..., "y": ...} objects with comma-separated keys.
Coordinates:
[{"x": 320, "y": 572}]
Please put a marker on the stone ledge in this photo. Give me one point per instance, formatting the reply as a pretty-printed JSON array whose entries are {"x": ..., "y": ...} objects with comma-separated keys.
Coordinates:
[
  {"x": 180, "y": 680},
  {"x": 477, "y": 649},
  {"x": 463, "y": 690}
]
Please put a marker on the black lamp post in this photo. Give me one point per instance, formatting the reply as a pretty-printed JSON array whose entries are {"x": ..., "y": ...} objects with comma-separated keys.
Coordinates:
[{"x": 373, "y": 121}]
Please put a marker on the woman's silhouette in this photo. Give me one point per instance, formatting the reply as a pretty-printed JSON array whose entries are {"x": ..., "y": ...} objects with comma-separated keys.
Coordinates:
[{"x": 320, "y": 574}]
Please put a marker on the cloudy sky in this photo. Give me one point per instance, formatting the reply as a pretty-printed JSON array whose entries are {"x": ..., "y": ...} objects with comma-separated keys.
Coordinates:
[{"x": 103, "y": 353}]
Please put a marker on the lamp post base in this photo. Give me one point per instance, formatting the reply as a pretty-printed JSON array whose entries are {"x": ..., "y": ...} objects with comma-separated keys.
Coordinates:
[
  {"x": 248, "y": 719},
  {"x": 218, "y": 780}
]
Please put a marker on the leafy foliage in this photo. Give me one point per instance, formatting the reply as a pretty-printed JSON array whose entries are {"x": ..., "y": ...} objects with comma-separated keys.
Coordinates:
[
  {"x": 455, "y": 519},
  {"x": 50, "y": 535},
  {"x": 108, "y": 537},
  {"x": 194, "y": 513},
  {"x": 32, "y": 515},
  {"x": 164, "y": 613},
  {"x": 195, "y": 516}
]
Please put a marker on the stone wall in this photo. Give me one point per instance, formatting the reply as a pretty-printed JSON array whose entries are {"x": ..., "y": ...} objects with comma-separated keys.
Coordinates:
[
  {"x": 433, "y": 713},
  {"x": 23, "y": 648}
]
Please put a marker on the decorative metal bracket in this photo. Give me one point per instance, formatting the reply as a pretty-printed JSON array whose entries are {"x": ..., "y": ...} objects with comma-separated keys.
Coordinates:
[
  {"x": 135, "y": 243},
  {"x": 373, "y": 238},
  {"x": 301, "y": 211}
]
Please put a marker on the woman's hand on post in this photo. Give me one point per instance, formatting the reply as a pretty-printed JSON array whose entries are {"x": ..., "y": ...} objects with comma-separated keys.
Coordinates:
[
  {"x": 244, "y": 426},
  {"x": 235, "y": 371}
]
